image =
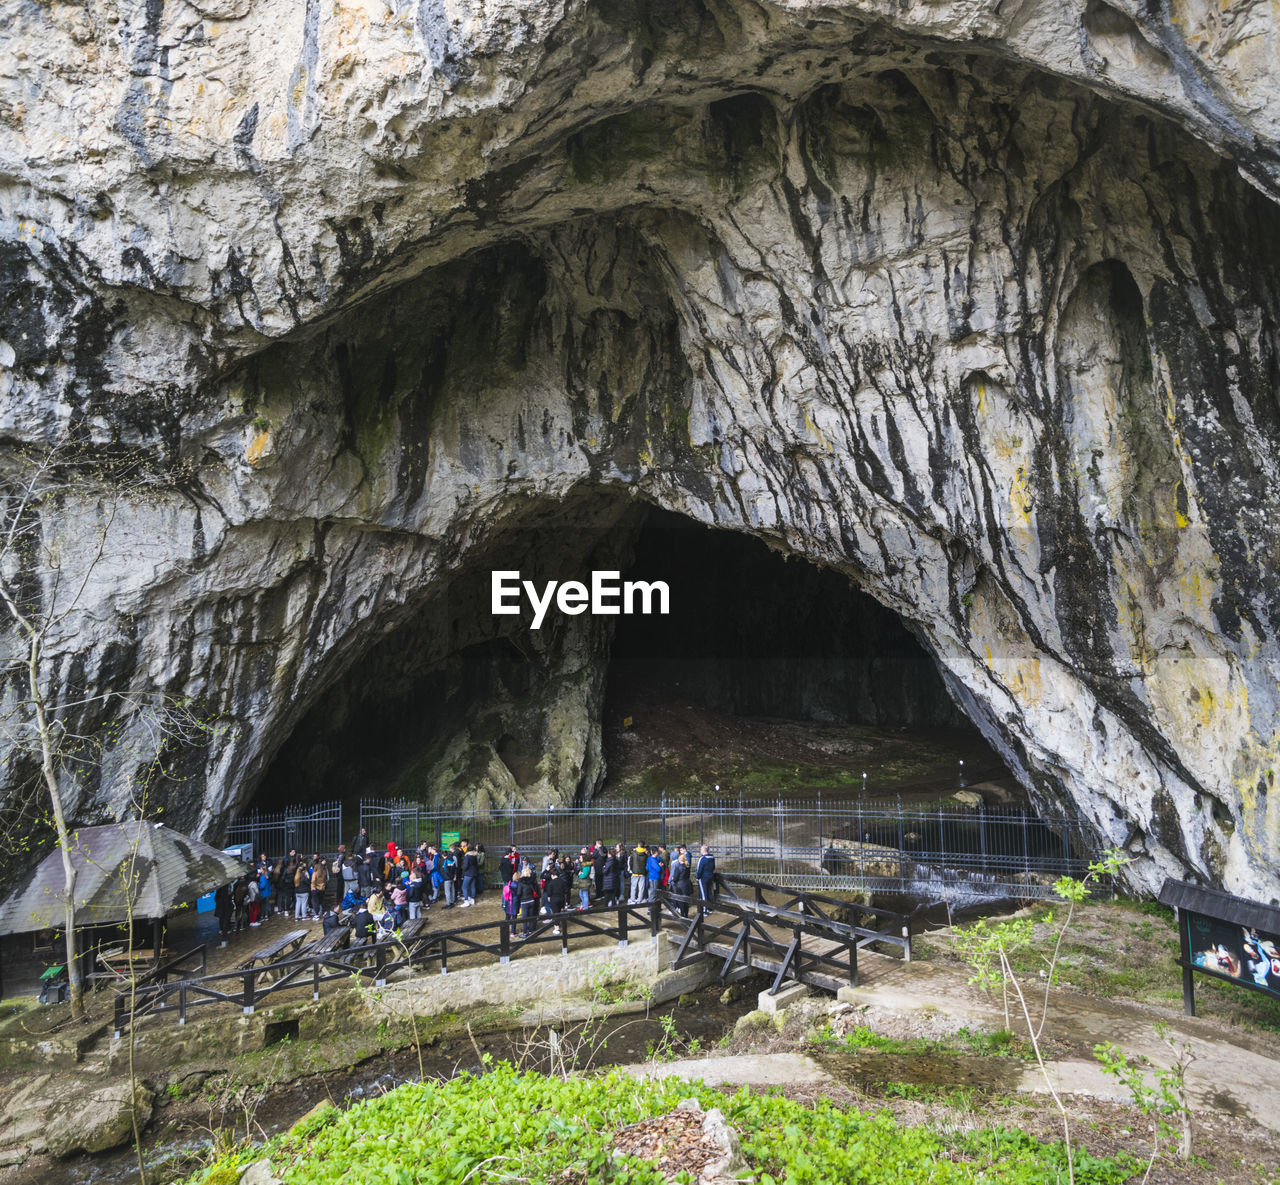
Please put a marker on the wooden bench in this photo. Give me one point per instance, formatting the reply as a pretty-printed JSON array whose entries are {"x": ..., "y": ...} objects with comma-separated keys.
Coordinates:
[
  {"x": 335, "y": 940},
  {"x": 286, "y": 944},
  {"x": 412, "y": 929}
]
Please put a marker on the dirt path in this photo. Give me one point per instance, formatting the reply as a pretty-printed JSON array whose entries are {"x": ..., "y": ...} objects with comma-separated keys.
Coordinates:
[{"x": 1233, "y": 1072}]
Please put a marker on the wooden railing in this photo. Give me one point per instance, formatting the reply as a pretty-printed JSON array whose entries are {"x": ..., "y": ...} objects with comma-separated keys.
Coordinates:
[
  {"x": 249, "y": 987},
  {"x": 799, "y": 937}
]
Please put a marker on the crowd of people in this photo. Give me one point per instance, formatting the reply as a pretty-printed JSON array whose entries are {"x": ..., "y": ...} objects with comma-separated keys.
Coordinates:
[
  {"x": 599, "y": 874},
  {"x": 375, "y": 891}
]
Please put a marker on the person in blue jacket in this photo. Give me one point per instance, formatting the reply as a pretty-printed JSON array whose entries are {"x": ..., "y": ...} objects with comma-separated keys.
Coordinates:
[{"x": 653, "y": 870}]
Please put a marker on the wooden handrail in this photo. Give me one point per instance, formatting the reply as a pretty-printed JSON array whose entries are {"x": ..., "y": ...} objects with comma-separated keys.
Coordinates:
[{"x": 249, "y": 986}]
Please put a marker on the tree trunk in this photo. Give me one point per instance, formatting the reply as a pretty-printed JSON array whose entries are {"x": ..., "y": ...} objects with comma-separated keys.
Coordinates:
[{"x": 48, "y": 769}]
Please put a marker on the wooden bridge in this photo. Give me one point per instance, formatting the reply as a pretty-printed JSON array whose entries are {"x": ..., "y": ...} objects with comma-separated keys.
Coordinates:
[{"x": 750, "y": 926}]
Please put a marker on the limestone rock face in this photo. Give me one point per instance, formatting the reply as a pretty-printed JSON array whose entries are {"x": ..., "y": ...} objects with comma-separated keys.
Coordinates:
[
  {"x": 97, "y": 1120},
  {"x": 976, "y": 304}
]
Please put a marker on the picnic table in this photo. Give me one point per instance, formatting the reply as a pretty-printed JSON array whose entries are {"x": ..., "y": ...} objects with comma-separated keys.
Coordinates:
[
  {"x": 412, "y": 929},
  {"x": 286, "y": 944},
  {"x": 335, "y": 940},
  {"x": 118, "y": 965}
]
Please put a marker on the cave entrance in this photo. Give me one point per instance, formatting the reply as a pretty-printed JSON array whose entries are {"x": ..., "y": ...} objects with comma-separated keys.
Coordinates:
[
  {"x": 772, "y": 675},
  {"x": 768, "y": 676}
]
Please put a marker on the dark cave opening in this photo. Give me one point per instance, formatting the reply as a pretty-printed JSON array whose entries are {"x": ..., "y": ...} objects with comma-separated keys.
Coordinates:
[
  {"x": 752, "y": 632},
  {"x": 769, "y": 663}
]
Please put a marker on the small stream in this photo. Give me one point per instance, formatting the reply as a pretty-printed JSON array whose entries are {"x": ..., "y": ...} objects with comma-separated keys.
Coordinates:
[{"x": 181, "y": 1131}]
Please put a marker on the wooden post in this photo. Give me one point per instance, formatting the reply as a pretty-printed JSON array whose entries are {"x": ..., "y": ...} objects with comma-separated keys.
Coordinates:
[
  {"x": 1188, "y": 984},
  {"x": 247, "y": 1000},
  {"x": 622, "y": 925},
  {"x": 504, "y": 941}
]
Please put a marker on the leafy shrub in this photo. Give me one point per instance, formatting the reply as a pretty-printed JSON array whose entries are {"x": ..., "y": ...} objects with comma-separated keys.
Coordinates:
[{"x": 529, "y": 1127}]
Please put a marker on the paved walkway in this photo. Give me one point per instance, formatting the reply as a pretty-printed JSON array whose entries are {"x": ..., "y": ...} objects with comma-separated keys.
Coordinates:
[{"x": 747, "y": 1069}]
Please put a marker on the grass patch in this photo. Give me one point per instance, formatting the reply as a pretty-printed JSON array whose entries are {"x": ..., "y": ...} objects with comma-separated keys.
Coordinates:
[{"x": 964, "y": 1042}]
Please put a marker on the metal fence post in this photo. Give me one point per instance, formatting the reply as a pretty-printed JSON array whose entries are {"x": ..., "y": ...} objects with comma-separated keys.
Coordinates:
[
  {"x": 819, "y": 831},
  {"x": 742, "y": 839},
  {"x": 664, "y": 818},
  {"x": 902, "y": 843},
  {"x": 781, "y": 835},
  {"x": 862, "y": 853}
]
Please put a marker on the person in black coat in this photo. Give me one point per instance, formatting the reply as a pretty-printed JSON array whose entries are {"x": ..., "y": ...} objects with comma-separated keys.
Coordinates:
[
  {"x": 333, "y": 919},
  {"x": 470, "y": 875},
  {"x": 706, "y": 874},
  {"x": 681, "y": 885},
  {"x": 555, "y": 889},
  {"x": 363, "y": 925},
  {"x": 599, "y": 857},
  {"x": 527, "y": 897},
  {"x": 222, "y": 908}
]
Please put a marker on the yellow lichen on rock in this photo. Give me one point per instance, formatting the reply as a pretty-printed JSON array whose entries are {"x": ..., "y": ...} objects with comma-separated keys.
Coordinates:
[{"x": 258, "y": 447}]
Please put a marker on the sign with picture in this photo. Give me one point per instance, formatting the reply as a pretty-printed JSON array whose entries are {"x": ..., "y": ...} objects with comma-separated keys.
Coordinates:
[{"x": 1235, "y": 952}]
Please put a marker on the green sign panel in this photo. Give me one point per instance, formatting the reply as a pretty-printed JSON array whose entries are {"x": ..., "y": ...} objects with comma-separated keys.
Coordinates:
[{"x": 448, "y": 838}]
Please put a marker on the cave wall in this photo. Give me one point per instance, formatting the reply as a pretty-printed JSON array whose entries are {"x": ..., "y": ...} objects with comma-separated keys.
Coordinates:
[
  {"x": 460, "y": 707},
  {"x": 977, "y": 309}
]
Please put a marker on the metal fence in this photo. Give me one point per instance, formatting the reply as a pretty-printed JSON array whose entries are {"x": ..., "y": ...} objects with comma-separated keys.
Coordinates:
[
  {"x": 934, "y": 854},
  {"x": 315, "y": 828},
  {"x": 937, "y": 854}
]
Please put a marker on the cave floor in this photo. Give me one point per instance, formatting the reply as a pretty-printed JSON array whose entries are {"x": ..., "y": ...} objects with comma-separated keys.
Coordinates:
[{"x": 674, "y": 747}]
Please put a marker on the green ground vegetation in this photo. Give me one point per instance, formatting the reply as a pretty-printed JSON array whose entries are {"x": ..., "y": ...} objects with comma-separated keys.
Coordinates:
[
  {"x": 1122, "y": 949},
  {"x": 514, "y": 1126},
  {"x": 1001, "y": 1043}
]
